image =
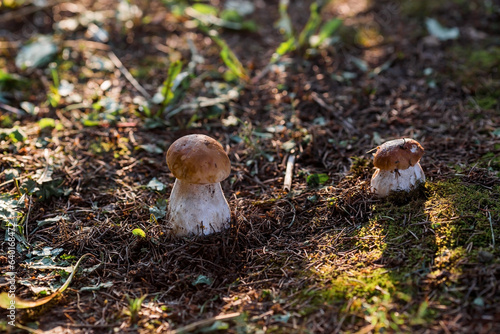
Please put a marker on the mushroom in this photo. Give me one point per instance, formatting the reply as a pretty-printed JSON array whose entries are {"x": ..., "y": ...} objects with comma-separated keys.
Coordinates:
[
  {"x": 197, "y": 204},
  {"x": 398, "y": 167}
]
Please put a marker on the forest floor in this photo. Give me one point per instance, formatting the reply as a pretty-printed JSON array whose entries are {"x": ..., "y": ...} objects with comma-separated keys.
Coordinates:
[{"x": 87, "y": 112}]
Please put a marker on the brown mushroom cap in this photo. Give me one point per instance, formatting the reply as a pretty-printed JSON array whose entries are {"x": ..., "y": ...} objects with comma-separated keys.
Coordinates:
[
  {"x": 198, "y": 159},
  {"x": 398, "y": 154}
]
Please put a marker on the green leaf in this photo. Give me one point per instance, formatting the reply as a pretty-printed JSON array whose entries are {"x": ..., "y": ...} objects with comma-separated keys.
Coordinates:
[
  {"x": 360, "y": 63},
  {"x": 284, "y": 48},
  {"x": 29, "y": 186},
  {"x": 36, "y": 54},
  {"x": 8, "y": 210},
  {"x": 440, "y": 32},
  {"x": 15, "y": 135},
  {"x": 139, "y": 232},
  {"x": 216, "y": 326},
  {"x": 232, "y": 62},
  {"x": 205, "y": 9},
  {"x": 288, "y": 145},
  {"x": 167, "y": 89},
  {"x": 151, "y": 148},
  {"x": 311, "y": 25},
  {"x": 49, "y": 189},
  {"x": 202, "y": 279},
  {"x": 327, "y": 30},
  {"x": 89, "y": 123},
  {"x": 231, "y": 15},
  {"x": 11, "y": 174},
  {"x": 315, "y": 180},
  {"x": 478, "y": 301},
  {"x": 282, "y": 317},
  {"x": 6, "y": 301},
  {"x": 30, "y": 108},
  {"x": 284, "y": 24},
  {"x": 159, "y": 210},
  {"x": 47, "y": 123},
  {"x": 156, "y": 185},
  {"x": 52, "y": 220}
]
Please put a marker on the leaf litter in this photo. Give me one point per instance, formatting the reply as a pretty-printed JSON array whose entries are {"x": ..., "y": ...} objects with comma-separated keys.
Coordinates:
[{"x": 325, "y": 256}]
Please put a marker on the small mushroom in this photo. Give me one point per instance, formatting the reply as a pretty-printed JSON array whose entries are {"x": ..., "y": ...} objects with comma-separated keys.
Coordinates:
[
  {"x": 197, "y": 204},
  {"x": 397, "y": 166}
]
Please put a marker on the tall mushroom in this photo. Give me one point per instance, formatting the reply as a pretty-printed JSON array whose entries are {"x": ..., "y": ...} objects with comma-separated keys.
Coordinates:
[
  {"x": 197, "y": 204},
  {"x": 397, "y": 166}
]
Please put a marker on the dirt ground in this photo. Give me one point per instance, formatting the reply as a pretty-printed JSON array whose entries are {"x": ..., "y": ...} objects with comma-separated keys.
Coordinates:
[{"x": 83, "y": 171}]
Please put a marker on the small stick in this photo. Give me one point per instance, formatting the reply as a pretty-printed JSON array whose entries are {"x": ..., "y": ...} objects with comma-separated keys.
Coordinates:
[
  {"x": 203, "y": 323},
  {"x": 492, "y": 231},
  {"x": 287, "y": 186},
  {"x": 112, "y": 56},
  {"x": 349, "y": 127},
  {"x": 85, "y": 44},
  {"x": 11, "y": 109}
]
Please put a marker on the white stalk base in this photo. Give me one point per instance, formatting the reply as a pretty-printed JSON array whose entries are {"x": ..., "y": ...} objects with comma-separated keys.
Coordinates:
[
  {"x": 385, "y": 181},
  {"x": 197, "y": 209}
]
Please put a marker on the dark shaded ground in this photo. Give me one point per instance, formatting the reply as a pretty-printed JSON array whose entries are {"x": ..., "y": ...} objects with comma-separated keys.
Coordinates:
[{"x": 322, "y": 258}]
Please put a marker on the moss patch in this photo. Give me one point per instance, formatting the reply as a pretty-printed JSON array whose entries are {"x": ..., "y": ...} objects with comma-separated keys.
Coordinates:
[{"x": 382, "y": 272}]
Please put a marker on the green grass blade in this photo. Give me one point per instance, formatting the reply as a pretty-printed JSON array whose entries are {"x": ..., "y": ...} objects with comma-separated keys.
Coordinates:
[
  {"x": 173, "y": 71},
  {"x": 311, "y": 26},
  {"x": 287, "y": 46},
  {"x": 227, "y": 55},
  {"x": 232, "y": 62},
  {"x": 5, "y": 300},
  {"x": 284, "y": 24},
  {"x": 327, "y": 30}
]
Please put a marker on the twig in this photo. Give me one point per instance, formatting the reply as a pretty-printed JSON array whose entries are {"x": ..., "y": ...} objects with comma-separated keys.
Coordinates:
[
  {"x": 85, "y": 44},
  {"x": 13, "y": 110},
  {"x": 203, "y": 323},
  {"x": 9, "y": 44},
  {"x": 127, "y": 74},
  {"x": 262, "y": 73},
  {"x": 28, "y": 329},
  {"x": 287, "y": 186},
  {"x": 86, "y": 325},
  {"x": 6, "y": 182},
  {"x": 294, "y": 213},
  {"x": 339, "y": 326},
  {"x": 492, "y": 231},
  {"x": 349, "y": 127}
]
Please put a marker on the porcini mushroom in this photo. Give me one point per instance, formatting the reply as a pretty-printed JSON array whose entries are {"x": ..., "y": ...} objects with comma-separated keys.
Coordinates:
[
  {"x": 197, "y": 204},
  {"x": 397, "y": 166}
]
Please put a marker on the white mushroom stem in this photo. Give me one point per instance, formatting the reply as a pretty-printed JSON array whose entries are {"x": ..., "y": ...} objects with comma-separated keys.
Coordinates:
[
  {"x": 198, "y": 208},
  {"x": 385, "y": 181}
]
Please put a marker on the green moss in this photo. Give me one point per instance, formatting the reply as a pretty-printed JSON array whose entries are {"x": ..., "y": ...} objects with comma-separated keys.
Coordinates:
[
  {"x": 491, "y": 161},
  {"x": 361, "y": 167},
  {"x": 476, "y": 70},
  {"x": 460, "y": 214},
  {"x": 485, "y": 59},
  {"x": 380, "y": 269}
]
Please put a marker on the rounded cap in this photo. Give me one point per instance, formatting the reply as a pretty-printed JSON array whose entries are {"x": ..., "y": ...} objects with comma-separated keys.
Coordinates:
[
  {"x": 398, "y": 154},
  {"x": 198, "y": 159}
]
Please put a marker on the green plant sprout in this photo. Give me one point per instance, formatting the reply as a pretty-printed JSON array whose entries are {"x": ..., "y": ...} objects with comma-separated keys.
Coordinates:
[
  {"x": 134, "y": 307},
  {"x": 53, "y": 97}
]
